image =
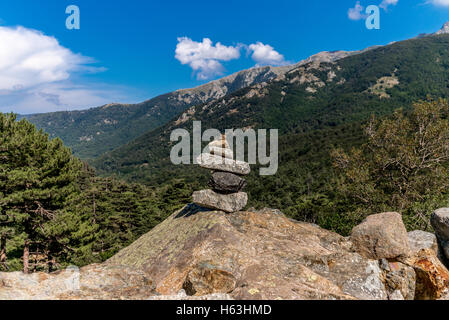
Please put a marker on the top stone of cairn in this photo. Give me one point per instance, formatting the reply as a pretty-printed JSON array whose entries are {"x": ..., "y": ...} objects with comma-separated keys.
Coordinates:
[
  {"x": 220, "y": 143},
  {"x": 220, "y": 158}
]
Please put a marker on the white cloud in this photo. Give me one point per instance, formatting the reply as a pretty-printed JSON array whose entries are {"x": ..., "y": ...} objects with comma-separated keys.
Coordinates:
[
  {"x": 264, "y": 54},
  {"x": 356, "y": 13},
  {"x": 36, "y": 75},
  {"x": 385, "y": 3},
  {"x": 29, "y": 58},
  {"x": 440, "y": 3},
  {"x": 204, "y": 57}
]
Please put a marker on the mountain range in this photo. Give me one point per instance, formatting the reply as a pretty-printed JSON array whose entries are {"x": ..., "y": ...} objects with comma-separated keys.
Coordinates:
[
  {"x": 92, "y": 132},
  {"x": 320, "y": 93},
  {"x": 317, "y": 104}
]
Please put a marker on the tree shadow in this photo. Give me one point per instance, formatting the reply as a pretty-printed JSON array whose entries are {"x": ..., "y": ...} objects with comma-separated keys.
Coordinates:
[{"x": 190, "y": 210}]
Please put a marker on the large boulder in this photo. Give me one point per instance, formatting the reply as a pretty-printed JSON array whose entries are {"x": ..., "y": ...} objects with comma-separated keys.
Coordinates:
[
  {"x": 440, "y": 223},
  {"x": 432, "y": 277},
  {"x": 217, "y": 201},
  {"x": 381, "y": 236},
  {"x": 419, "y": 240},
  {"x": 98, "y": 281}
]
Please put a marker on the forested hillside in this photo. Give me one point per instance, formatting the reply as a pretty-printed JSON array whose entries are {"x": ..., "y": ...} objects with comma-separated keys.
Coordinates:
[
  {"x": 90, "y": 133},
  {"x": 55, "y": 212},
  {"x": 317, "y": 107}
]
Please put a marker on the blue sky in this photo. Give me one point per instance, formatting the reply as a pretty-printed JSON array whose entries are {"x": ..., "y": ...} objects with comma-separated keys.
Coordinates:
[{"x": 126, "y": 51}]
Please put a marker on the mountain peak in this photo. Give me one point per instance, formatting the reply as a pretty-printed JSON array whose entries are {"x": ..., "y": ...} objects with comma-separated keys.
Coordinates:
[{"x": 444, "y": 29}]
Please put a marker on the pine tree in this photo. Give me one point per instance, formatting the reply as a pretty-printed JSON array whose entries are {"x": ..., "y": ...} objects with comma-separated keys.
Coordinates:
[
  {"x": 36, "y": 176},
  {"x": 53, "y": 203}
]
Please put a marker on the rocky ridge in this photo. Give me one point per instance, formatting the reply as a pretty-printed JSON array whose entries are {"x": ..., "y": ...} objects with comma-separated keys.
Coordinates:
[
  {"x": 444, "y": 29},
  {"x": 219, "y": 88}
]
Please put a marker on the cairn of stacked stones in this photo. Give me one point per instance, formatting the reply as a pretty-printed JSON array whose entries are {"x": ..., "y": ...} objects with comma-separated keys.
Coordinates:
[{"x": 226, "y": 181}]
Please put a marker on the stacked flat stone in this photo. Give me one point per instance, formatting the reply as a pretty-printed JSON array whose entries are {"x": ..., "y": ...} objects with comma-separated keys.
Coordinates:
[{"x": 226, "y": 181}]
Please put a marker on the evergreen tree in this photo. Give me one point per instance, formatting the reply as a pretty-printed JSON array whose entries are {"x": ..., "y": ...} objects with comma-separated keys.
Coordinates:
[
  {"x": 54, "y": 203},
  {"x": 36, "y": 176}
]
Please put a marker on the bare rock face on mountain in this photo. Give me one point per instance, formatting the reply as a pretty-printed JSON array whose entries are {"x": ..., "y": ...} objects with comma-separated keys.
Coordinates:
[{"x": 444, "y": 29}]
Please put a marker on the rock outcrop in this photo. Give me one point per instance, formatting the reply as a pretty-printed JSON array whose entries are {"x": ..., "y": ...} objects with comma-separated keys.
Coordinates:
[
  {"x": 203, "y": 254},
  {"x": 252, "y": 255},
  {"x": 400, "y": 280},
  {"x": 444, "y": 29}
]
